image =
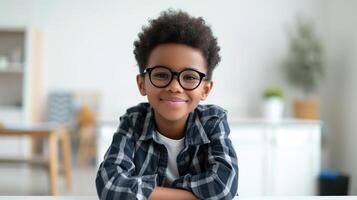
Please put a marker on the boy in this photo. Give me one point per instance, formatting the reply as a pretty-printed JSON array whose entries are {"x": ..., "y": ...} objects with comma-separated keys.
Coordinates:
[{"x": 172, "y": 148}]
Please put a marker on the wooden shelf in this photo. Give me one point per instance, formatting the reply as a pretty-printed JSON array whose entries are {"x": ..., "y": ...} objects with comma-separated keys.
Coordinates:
[{"x": 11, "y": 71}]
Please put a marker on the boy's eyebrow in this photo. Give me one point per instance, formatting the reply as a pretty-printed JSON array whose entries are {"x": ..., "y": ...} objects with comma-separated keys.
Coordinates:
[
  {"x": 192, "y": 68},
  {"x": 167, "y": 66}
]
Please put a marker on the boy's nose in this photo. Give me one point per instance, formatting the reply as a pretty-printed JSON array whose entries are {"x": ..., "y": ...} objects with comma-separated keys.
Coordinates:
[{"x": 174, "y": 86}]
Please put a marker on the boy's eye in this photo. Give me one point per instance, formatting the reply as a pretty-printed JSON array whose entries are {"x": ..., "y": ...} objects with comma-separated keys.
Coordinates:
[
  {"x": 161, "y": 75},
  {"x": 190, "y": 77}
]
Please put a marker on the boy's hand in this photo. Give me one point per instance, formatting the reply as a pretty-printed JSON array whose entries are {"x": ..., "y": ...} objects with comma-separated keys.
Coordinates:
[{"x": 171, "y": 193}]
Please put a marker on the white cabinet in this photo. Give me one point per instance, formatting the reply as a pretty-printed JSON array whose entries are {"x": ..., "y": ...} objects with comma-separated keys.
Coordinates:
[
  {"x": 12, "y": 45},
  {"x": 20, "y": 74},
  {"x": 277, "y": 159},
  {"x": 20, "y": 79}
]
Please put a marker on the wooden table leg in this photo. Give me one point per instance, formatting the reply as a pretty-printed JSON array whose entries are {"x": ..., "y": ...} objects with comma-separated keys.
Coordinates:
[
  {"x": 85, "y": 147},
  {"x": 53, "y": 163},
  {"x": 36, "y": 147},
  {"x": 66, "y": 157}
]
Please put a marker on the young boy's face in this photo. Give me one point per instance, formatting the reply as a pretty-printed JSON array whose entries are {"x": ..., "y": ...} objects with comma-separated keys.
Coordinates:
[{"x": 173, "y": 102}]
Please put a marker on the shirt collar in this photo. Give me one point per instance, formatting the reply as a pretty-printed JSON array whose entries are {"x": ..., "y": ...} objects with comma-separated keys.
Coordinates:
[
  {"x": 195, "y": 133},
  {"x": 149, "y": 125}
]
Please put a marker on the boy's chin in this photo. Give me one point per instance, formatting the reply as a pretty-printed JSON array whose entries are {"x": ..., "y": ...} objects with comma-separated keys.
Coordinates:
[{"x": 173, "y": 116}]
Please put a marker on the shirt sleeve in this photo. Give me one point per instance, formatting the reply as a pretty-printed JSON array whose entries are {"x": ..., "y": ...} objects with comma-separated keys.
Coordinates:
[
  {"x": 116, "y": 178},
  {"x": 220, "y": 180}
]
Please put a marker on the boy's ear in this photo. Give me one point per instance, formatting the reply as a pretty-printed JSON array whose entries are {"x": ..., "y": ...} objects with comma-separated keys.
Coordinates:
[
  {"x": 141, "y": 84},
  {"x": 207, "y": 87}
]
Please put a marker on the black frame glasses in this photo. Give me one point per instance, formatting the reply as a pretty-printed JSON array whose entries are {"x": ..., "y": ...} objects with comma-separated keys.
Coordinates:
[{"x": 177, "y": 74}]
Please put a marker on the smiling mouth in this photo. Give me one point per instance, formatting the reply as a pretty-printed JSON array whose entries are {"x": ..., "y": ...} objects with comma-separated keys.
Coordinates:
[
  {"x": 174, "y": 100},
  {"x": 173, "y": 103}
]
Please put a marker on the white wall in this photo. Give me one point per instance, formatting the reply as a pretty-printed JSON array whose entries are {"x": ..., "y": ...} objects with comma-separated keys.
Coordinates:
[
  {"x": 89, "y": 46},
  {"x": 340, "y": 95}
]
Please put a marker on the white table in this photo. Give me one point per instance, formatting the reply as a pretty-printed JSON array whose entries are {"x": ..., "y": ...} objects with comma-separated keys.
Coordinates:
[{"x": 237, "y": 198}]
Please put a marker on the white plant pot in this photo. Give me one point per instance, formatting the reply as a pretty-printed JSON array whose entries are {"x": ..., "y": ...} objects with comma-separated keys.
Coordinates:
[
  {"x": 3, "y": 62},
  {"x": 273, "y": 109}
]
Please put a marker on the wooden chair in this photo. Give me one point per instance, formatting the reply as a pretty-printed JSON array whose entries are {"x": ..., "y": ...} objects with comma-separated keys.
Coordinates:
[
  {"x": 87, "y": 129},
  {"x": 86, "y": 118}
]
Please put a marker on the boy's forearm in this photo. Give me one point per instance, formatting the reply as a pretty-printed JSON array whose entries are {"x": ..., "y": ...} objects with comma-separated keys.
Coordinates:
[{"x": 171, "y": 193}]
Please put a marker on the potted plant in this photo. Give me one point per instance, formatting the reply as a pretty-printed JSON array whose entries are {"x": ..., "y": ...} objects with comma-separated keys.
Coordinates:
[
  {"x": 305, "y": 68},
  {"x": 273, "y": 107}
]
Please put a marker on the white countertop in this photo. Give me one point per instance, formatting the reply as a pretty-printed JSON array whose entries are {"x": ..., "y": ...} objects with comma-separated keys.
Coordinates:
[
  {"x": 298, "y": 198},
  {"x": 262, "y": 121},
  {"x": 240, "y": 198}
]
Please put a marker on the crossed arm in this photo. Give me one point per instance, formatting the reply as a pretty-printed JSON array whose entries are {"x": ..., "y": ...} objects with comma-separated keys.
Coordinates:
[
  {"x": 171, "y": 193},
  {"x": 115, "y": 180}
]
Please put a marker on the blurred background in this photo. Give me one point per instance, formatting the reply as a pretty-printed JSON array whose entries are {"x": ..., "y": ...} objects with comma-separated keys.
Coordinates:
[{"x": 287, "y": 79}]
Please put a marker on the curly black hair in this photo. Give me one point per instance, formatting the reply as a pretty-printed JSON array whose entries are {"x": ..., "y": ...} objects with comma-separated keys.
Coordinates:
[{"x": 177, "y": 27}]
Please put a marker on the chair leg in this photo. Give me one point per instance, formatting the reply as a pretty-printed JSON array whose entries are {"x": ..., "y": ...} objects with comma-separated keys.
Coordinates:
[
  {"x": 66, "y": 157},
  {"x": 53, "y": 163}
]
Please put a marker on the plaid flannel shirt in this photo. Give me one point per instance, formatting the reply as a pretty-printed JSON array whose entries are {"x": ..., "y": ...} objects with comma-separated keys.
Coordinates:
[{"x": 135, "y": 162}]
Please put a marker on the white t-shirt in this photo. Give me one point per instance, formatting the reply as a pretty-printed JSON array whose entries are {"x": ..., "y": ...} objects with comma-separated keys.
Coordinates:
[{"x": 173, "y": 149}]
